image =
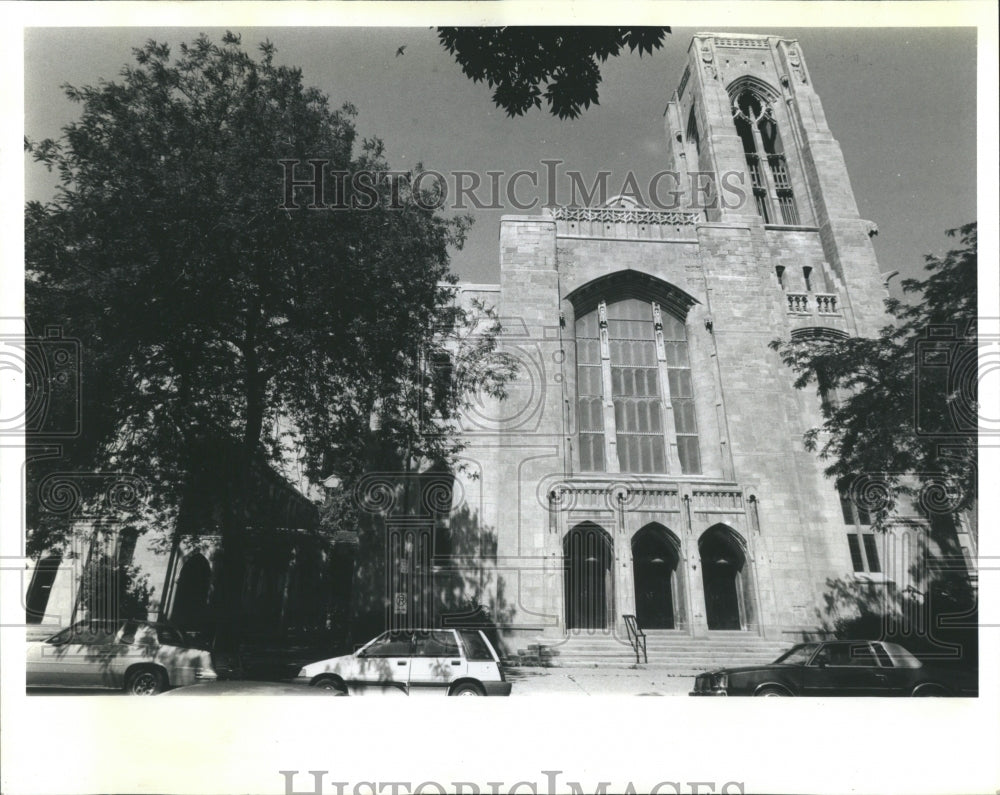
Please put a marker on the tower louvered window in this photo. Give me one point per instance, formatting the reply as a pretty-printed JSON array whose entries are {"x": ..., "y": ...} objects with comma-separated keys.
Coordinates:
[{"x": 766, "y": 163}]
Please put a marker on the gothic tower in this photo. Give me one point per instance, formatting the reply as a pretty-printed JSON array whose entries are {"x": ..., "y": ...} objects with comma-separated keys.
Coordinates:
[{"x": 649, "y": 460}]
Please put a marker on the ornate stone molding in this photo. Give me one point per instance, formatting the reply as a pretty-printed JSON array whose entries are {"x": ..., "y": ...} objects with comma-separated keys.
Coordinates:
[
  {"x": 745, "y": 44},
  {"x": 708, "y": 59},
  {"x": 626, "y": 215},
  {"x": 717, "y": 500},
  {"x": 796, "y": 63}
]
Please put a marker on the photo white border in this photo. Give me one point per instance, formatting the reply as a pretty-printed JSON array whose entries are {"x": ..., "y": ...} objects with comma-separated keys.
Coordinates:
[{"x": 73, "y": 744}]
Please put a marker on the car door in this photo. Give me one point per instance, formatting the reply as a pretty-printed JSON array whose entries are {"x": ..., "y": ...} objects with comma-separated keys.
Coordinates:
[
  {"x": 65, "y": 660},
  {"x": 383, "y": 666},
  {"x": 483, "y": 661},
  {"x": 437, "y": 662},
  {"x": 895, "y": 681},
  {"x": 843, "y": 668},
  {"x": 99, "y": 656},
  {"x": 47, "y": 663}
]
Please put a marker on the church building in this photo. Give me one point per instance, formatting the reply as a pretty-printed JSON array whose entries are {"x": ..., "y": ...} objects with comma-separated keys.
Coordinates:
[
  {"x": 649, "y": 460},
  {"x": 647, "y": 468}
]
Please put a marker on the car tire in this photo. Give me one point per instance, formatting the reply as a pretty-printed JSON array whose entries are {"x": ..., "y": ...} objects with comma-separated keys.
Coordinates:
[
  {"x": 467, "y": 689},
  {"x": 145, "y": 682},
  {"x": 772, "y": 691},
  {"x": 328, "y": 683},
  {"x": 929, "y": 691}
]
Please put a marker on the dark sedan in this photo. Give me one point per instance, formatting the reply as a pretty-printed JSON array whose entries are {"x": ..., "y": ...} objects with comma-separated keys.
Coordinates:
[{"x": 840, "y": 668}]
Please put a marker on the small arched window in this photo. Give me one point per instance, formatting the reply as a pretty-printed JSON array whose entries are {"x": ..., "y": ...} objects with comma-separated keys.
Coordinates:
[{"x": 693, "y": 136}]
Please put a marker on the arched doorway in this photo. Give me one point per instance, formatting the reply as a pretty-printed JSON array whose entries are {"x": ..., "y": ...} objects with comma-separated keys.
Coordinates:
[
  {"x": 190, "y": 610},
  {"x": 589, "y": 589},
  {"x": 655, "y": 556},
  {"x": 723, "y": 570}
]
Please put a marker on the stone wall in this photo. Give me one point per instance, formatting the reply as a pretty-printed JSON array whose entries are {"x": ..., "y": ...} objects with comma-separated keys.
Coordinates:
[{"x": 781, "y": 508}]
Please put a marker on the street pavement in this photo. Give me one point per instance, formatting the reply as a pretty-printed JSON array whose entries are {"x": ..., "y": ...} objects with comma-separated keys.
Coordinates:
[
  {"x": 527, "y": 681},
  {"x": 597, "y": 682}
]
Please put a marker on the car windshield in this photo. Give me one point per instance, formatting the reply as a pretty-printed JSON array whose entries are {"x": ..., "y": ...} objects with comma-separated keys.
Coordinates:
[
  {"x": 389, "y": 644},
  {"x": 797, "y": 655}
]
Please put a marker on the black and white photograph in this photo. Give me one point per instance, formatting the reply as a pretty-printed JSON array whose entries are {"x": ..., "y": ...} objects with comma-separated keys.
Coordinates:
[{"x": 427, "y": 350}]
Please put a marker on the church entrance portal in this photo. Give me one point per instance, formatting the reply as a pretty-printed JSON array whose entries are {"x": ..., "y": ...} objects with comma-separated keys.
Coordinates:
[
  {"x": 654, "y": 566},
  {"x": 723, "y": 565},
  {"x": 191, "y": 610},
  {"x": 589, "y": 588}
]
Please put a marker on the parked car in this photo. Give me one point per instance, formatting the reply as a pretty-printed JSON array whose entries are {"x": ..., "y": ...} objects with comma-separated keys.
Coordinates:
[
  {"x": 840, "y": 668},
  {"x": 143, "y": 658},
  {"x": 441, "y": 661}
]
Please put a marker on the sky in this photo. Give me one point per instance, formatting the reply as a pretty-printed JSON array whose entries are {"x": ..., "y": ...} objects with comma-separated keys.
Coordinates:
[{"x": 901, "y": 102}]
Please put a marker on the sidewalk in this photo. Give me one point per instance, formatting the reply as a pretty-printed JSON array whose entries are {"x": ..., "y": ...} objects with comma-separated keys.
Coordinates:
[{"x": 597, "y": 682}]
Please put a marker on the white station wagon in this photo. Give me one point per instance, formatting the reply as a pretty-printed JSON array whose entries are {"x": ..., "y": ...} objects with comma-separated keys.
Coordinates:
[
  {"x": 454, "y": 662},
  {"x": 143, "y": 658}
]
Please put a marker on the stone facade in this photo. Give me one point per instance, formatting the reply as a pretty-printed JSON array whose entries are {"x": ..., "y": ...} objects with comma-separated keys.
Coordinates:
[
  {"x": 165, "y": 568},
  {"x": 753, "y": 537},
  {"x": 648, "y": 459}
]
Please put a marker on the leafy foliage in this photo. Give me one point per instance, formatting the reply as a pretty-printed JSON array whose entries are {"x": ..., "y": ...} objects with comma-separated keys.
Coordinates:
[
  {"x": 110, "y": 590},
  {"x": 517, "y": 61},
  {"x": 220, "y": 332},
  {"x": 907, "y": 400}
]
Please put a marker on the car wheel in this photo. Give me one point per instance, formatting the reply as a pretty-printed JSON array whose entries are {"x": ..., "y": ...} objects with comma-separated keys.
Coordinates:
[
  {"x": 467, "y": 689},
  {"x": 929, "y": 692},
  {"x": 331, "y": 685},
  {"x": 145, "y": 682},
  {"x": 771, "y": 691}
]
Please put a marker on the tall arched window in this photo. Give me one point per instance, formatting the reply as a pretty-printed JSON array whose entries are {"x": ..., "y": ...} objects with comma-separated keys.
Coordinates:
[
  {"x": 633, "y": 355},
  {"x": 40, "y": 589},
  {"x": 753, "y": 114}
]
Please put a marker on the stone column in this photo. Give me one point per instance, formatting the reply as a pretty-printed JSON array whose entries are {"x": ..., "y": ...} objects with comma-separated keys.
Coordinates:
[{"x": 696, "y": 587}]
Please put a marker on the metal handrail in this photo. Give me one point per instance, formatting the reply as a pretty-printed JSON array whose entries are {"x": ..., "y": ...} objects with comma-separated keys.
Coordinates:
[{"x": 636, "y": 637}]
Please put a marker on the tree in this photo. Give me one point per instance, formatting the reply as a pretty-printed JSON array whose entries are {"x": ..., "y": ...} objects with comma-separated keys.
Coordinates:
[
  {"x": 516, "y": 61},
  {"x": 906, "y": 412},
  {"x": 220, "y": 325}
]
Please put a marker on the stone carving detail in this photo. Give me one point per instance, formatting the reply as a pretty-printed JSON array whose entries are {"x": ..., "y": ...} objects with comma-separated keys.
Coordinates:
[
  {"x": 663, "y": 499},
  {"x": 754, "y": 513},
  {"x": 619, "y": 496},
  {"x": 798, "y": 303},
  {"x": 707, "y": 58},
  {"x": 826, "y": 303},
  {"x": 628, "y": 215},
  {"x": 747, "y": 112},
  {"x": 560, "y": 497},
  {"x": 717, "y": 500},
  {"x": 602, "y": 322},
  {"x": 591, "y": 498},
  {"x": 796, "y": 63},
  {"x": 746, "y": 44},
  {"x": 657, "y": 318}
]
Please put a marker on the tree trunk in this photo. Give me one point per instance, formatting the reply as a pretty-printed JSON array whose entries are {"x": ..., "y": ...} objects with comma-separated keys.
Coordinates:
[{"x": 238, "y": 499}]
